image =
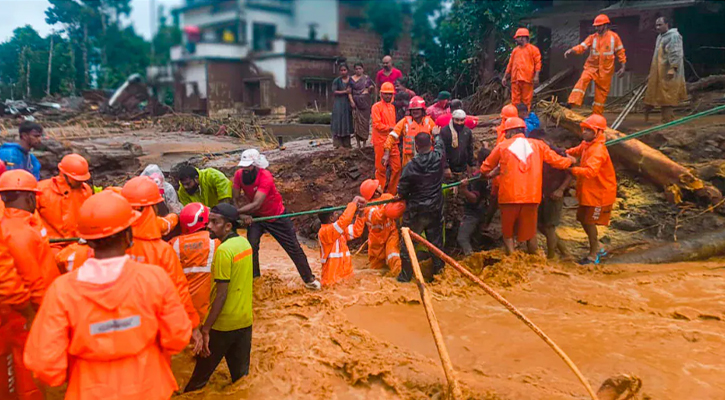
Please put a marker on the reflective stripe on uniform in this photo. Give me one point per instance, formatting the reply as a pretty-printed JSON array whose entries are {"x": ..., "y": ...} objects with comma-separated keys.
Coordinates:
[
  {"x": 577, "y": 90},
  {"x": 595, "y": 51},
  {"x": 190, "y": 270},
  {"x": 393, "y": 134},
  {"x": 337, "y": 228},
  {"x": 176, "y": 248},
  {"x": 598, "y": 104},
  {"x": 391, "y": 255},
  {"x": 43, "y": 232},
  {"x": 584, "y": 44},
  {"x": 350, "y": 232},
  {"x": 611, "y": 46},
  {"x": 71, "y": 261}
]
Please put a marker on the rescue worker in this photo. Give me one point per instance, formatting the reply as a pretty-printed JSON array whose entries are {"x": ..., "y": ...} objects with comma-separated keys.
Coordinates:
[
  {"x": 441, "y": 106},
  {"x": 24, "y": 234},
  {"x": 523, "y": 69},
  {"x": 383, "y": 238},
  {"x": 195, "y": 249},
  {"x": 333, "y": 236},
  {"x": 17, "y": 155},
  {"x": 508, "y": 111},
  {"x": 208, "y": 186},
  {"x": 263, "y": 200},
  {"x": 108, "y": 328},
  {"x": 406, "y": 129},
  {"x": 599, "y": 66},
  {"x": 383, "y": 122},
  {"x": 148, "y": 247},
  {"x": 666, "y": 85},
  {"x": 227, "y": 330},
  {"x": 596, "y": 183},
  {"x": 421, "y": 188},
  {"x": 61, "y": 197},
  {"x": 521, "y": 161},
  {"x": 458, "y": 140},
  {"x": 457, "y": 104}
]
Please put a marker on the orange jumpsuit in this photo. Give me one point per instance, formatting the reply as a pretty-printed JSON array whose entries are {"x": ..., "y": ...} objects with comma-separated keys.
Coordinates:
[
  {"x": 196, "y": 252},
  {"x": 149, "y": 248},
  {"x": 599, "y": 68},
  {"x": 112, "y": 340},
  {"x": 383, "y": 239},
  {"x": 500, "y": 137},
  {"x": 407, "y": 128},
  {"x": 596, "y": 181},
  {"x": 383, "y": 121},
  {"x": 58, "y": 206},
  {"x": 334, "y": 253},
  {"x": 167, "y": 223},
  {"x": 523, "y": 65}
]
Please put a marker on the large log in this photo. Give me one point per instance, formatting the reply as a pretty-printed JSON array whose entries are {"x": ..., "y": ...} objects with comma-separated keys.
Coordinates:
[
  {"x": 699, "y": 248},
  {"x": 640, "y": 158}
]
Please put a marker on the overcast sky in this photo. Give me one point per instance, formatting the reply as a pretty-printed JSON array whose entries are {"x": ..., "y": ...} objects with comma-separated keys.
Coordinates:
[{"x": 17, "y": 13}]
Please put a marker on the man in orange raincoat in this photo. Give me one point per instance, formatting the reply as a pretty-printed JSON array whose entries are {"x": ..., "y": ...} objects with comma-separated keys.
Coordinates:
[
  {"x": 383, "y": 238},
  {"x": 596, "y": 183},
  {"x": 523, "y": 69},
  {"x": 599, "y": 66},
  {"x": 195, "y": 249},
  {"x": 109, "y": 327},
  {"x": 521, "y": 163},
  {"x": 333, "y": 236},
  {"x": 406, "y": 129},
  {"x": 148, "y": 247},
  {"x": 61, "y": 198},
  {"x": 383, "y": 122},
  {"x": 508, "y": 111}
]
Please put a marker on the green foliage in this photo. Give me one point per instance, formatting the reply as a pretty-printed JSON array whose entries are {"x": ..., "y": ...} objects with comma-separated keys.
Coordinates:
[{"x": 385, "y": 18}]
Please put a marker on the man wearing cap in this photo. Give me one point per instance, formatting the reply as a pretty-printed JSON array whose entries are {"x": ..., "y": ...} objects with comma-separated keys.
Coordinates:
[
  {"x": 17, "y": 155},
  {"x": 599, "y": 66},
  {"x": 61, "y": 197},
  {"x": 263, "y": 200},
  {"x": 109, "y": 328},
  {"x": 208, "y": 186},
  {"x": 523, "y": 69},
  {"x": 441, "y": 106},
  {"x": 458, "y": 140},
  {"x": 227, "y": 331}
]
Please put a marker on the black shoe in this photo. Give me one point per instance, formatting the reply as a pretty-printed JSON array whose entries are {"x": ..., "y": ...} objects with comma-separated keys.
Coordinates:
[{"x": 402, "y": 279}]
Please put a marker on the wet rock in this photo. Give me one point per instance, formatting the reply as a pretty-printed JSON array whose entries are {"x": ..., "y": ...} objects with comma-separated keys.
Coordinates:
[{"x": 627, "y": 225}]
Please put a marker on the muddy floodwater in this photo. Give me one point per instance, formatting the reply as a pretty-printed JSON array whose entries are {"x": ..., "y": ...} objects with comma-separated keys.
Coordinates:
[{"x": 368, "y": 338}]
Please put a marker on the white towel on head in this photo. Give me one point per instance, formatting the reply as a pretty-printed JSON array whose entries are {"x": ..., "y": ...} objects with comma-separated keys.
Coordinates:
[{"x": 522, "y": 149}]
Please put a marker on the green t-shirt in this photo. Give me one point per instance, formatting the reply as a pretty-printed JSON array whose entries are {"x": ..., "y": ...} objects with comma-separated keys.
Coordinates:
[
  {"x": 213, "y": 186},
  {"x": 233, "y": 263}
]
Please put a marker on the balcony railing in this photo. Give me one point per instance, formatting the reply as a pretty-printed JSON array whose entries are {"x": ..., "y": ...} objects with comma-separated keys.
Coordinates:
[{"x": 227, "y": 51}]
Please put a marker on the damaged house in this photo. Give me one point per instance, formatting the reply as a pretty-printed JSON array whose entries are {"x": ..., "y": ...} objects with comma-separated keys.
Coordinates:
[{"x": 271, "y": 56}]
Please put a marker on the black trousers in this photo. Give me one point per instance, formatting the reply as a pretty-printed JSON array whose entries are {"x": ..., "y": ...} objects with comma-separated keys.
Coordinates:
[
  {"x": 432, "y": 224},
  {"x": 234, "y": 346},
  {"x": 283, "y": 231}
]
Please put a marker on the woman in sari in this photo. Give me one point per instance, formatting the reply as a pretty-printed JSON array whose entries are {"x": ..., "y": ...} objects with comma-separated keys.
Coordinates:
[{"x": 362, "y": 89}]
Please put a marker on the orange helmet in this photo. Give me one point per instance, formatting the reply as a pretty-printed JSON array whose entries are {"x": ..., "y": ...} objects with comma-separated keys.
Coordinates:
[
  {"x": 521, "y": 32},
  {"x": 394, "y": 210},
  {"x": 105, "y": 214},
  {"x": 387, "y": 87},
  {"x": 595, "y": 122},
  {"x": 601, "y": 19},
  {"x": 75, "y": 166},
  {"x": 142, "y": 191},
  {"x": 194, "y": 217},
  {"x": 416, "y": 102},
  {"x": 509, "y": 111},
  {"x": 3, "y": 168},
  {"x": 18, "y": 180},
  {"x": 513, "y": 123},
  {"x": 368, "y": 187}
]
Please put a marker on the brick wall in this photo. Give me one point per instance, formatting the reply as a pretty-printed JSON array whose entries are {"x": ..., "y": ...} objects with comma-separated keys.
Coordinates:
[
  {"x": 297, "y": 96},
  {"x": 224, "y": 87}
]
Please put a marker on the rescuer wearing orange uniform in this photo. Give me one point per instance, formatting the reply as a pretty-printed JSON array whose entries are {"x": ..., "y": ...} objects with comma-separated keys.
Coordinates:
[
  {"x": 62, "y": 196},
  {"x": 596, "y": 183},
  {"x": 383, "y": 121},
  {"x": 405, "y": 131},
  {"x": 195, "y": 249},
  {"x": 508, "y": 111},
  {"x": 148, "y": 247},
  {"x": 109, "y": 327},
  {"x": 383, "y": 238},
  {"x": 521, "y": 162},
  {"x": 599, "y": 66},
  {"x": 523, "y": 69},
  {"x": 333, "y": 236}
]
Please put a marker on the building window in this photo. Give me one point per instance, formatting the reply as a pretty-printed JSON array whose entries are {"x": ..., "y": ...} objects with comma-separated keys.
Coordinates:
[
  {"x": 262, "y": 36},
  {"x": 317, "y": 87}
]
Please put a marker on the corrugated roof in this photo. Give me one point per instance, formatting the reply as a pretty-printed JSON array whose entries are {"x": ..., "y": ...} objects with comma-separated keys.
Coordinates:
[
  {"x": 591, "y": 8},
  {"x": 649, "y": 4}
]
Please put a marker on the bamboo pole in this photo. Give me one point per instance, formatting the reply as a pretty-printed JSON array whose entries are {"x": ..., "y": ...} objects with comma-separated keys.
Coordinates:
[
  {"x": 453, "y": 389},
  {"x": 489, "y": 290}
]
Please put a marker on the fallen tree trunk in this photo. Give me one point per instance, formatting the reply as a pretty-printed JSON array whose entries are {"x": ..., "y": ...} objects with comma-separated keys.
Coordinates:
[
  {"x": 699, "y": 248},
  {"x": 642, "y": 159},
  {"x": 706, "y": 83}
]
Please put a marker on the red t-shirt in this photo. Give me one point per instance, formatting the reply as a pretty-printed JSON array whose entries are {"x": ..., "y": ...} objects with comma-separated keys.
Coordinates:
[
  {"x": 381, "y": 78},
  {"x": 445, "y": 119},
  {"x": 264, "y": 183}
]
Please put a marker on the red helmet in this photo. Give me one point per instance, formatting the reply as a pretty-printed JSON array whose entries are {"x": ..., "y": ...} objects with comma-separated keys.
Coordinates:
[
  {"x": 521, "y": 32},
  {"x": 3, "y": 168},
  {"x": 416, "y": 102},
  {"x": 513, "y": 123},
  {"x": 601, "y": 19},
  {"x": 595, "y": 122},
  {"x": 194, "y": 217},
  {"x": 394, "y": 210},
  {"x": 509, "y": 111}
]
